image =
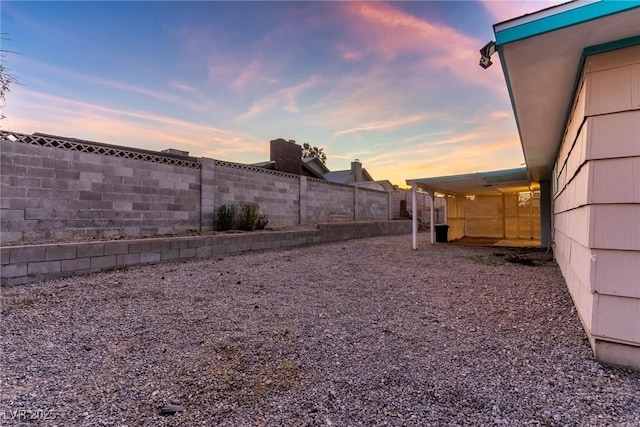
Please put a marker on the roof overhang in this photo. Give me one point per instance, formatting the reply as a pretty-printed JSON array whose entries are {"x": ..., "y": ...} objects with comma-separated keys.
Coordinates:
[
  {"x": 480, "y": 183},
  {"x": 542, "y": 56}
]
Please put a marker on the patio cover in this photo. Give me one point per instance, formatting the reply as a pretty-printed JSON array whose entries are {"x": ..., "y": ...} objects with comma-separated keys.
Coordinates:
[{"x": 479, "y": 183}]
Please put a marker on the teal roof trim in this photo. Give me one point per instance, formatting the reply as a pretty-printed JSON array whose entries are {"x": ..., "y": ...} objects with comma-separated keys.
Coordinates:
[
  {"x": 564, "y": 19},
  {"x": 616, "y": 44}
]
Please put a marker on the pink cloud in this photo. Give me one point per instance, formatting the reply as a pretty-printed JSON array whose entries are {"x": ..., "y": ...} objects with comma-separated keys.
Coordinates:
[
  {"x": 384, "y": 31},
  {"x": 285, "y": 98},
  {"x": 249, "y": 74},
  {"x": 489, "y": 144},
  {"x": 387, "y": 124},
  {"x": 388, "y": 31},
  {"x": 66, "y": 117},
  {"x": 505, "y": 10}
]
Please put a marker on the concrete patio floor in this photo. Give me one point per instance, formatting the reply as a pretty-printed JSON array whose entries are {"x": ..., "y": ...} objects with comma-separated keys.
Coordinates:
[{"x": 505, "y": 243}]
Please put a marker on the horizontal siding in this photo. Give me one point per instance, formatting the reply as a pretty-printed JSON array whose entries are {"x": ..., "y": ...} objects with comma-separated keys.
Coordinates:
[
  {"x": 635, "y": 86},
  {"x": 567, "y": 259},
  {"x": 596, "y": 201},
  {"x": 575, "y": 224},
  {"x": 613, "y": 135},
  {"x": 616, "y": 227},
  {"x": 608, "y": 91},
  {"x": 613, "y": 181},
  {"x": 574, "y": 194},
  {"x": 617, "y": 273},
  {"x": 612, "y": 59},
  {"x": 617, "y": 319}
]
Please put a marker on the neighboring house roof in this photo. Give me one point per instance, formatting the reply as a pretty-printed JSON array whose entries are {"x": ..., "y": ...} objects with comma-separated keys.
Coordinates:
[
  {"x": 542, "y": 54},
  {"x": 340, "y": 177},
  {"x": 269, "y": 164},
  {"x": 311, "y": 166},
  {"x": 314, "y": 166},
  {"x": 345, "y": 176},
  {"x": 387, "y": 185},
  {"x": 384, "y": 185}
]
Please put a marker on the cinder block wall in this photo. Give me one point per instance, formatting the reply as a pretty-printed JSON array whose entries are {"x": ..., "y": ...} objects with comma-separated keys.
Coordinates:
[
  {"x": 65, "y": 189},
  {"x": 327, "y": 200},
  {"x": 52, "y": 193},
  {"x": 396, "y": 198},
  {"x": 276, "y": 193},
  {"x": 371, "y": 204}
]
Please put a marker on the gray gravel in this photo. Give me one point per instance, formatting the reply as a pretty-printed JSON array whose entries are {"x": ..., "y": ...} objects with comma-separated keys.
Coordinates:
[{"x": 365, "y": 332}]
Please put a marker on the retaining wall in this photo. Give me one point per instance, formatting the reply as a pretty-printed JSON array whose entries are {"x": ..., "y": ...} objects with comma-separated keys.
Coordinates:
[{"x": 26, "y": 264}]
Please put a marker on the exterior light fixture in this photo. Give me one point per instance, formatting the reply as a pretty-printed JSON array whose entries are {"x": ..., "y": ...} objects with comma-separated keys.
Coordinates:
[{"x": 486, "y": 52}]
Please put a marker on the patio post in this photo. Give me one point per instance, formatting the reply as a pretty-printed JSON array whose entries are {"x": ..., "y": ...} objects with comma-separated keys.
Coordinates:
[
  {"x": 414, "y": 214},
  {"x": 432, "y": 226},
  {"x": 446, "y": 209}
]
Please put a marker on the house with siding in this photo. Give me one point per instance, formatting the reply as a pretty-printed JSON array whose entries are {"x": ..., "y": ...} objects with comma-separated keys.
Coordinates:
[{"x": 573, "y": 75}]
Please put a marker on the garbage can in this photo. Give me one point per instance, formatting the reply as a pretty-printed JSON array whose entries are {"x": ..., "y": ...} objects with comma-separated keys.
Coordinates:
[{"x": 441, "y": 233}]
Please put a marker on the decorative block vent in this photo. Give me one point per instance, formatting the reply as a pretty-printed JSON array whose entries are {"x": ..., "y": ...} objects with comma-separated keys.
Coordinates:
[
  {"x": 97, "y": 148},
  {"x": 326, "y": 182},
  {"x": 251, "y": 168}
]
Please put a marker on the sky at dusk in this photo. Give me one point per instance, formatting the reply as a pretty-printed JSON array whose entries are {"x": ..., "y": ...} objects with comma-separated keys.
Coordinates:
[{"x": 394, "y": 84}]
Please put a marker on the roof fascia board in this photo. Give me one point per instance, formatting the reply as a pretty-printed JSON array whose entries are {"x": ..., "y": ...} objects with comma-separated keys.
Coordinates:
[
  {"x": 606, "y": 47},
  {"x": 558, "y": 17}
]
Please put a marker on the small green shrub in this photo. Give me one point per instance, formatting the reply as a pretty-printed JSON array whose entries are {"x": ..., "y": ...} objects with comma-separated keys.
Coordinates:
[
  {"x": 262, "y": 222},
  {"x": 248, "y": 217},
  {"x": 226, "y": 217}
]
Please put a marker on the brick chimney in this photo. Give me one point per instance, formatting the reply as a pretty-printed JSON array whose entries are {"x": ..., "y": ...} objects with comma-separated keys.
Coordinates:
[
  {"x": 287, "y": 156},
  {"x": 356, "y": 170}
]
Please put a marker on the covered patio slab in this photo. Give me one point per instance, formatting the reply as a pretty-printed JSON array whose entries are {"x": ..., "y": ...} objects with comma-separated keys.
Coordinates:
[
  {"x": 505, "y": 243},
  {"x": 502, "y": 205}
]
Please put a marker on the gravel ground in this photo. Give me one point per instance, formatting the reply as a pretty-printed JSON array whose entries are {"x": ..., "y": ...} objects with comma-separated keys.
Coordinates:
[{"x": 362, "y": 333}]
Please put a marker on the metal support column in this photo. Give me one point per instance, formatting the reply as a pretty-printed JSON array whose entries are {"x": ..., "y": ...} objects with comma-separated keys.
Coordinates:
[
  {"x": 414, "y": 214},
  {"x": 432, "y": 226}
]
